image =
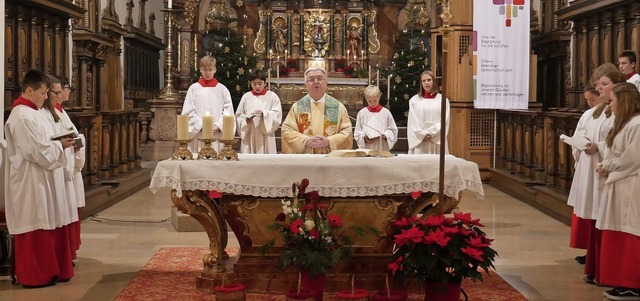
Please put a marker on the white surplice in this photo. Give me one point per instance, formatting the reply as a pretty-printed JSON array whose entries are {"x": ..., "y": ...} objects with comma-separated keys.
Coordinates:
[
  {"x": 424, "y": 119},
  {"x": 75, "y": 160},
  {"x": 259, "y": 136},
  {"x": 30, "y": 194},
  {"x": 201, "y": 100},
  {"x": 635, "y": 80},
  {"x": 371, "y": 124},
  {"x": 619, "y": 207},
  {"x": 586, "y": 186}
]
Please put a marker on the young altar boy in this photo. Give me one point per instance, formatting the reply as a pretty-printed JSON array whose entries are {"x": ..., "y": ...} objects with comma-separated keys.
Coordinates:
[{"x": 375, "y": 126}]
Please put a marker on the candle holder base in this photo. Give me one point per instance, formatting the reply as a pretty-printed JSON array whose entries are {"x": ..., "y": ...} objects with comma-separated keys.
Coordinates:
[
  {"x": 183, "y": 152},
  {"x": 228, "y": 152},
  {"x": 207, "y": 152}
]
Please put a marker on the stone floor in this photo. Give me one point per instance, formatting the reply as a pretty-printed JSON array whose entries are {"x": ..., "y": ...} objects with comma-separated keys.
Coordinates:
[{"x": 534, "y": 253}]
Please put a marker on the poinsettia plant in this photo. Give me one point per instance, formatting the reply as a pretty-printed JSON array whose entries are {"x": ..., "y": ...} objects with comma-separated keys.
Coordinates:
[
  {"x": 313, "y": 238},
  {"x": 441, "y": 248}
]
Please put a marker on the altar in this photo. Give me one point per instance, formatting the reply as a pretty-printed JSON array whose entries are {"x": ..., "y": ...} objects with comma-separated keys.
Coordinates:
[{"x": 366, "y": 192}]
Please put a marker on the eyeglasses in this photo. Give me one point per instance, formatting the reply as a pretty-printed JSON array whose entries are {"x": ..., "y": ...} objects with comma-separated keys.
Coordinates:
[
  {"x": 56, "y": 92},
  {"x": 315, "y": 79}
]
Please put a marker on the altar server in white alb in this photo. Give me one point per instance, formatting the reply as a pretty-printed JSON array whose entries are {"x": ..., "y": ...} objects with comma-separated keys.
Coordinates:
[
  {"x": 206, "y": 97},
  {"x": 375, "y": 127},
  {"x": 627, "y": 64},
  {"x": 42, "y": 255},
  {"x": 423, "y": 125},
  {"x": 76, "y": 158},
  {"x": 259, "y": 115},
  {"x": 619, "y": 211}
]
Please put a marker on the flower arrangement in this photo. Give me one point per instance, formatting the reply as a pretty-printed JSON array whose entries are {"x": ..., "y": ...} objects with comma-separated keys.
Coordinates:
[
  {"x": 441, "y": 249},
  {"x": 348, "y": 71},
  {"x": 313, "y": 239}
]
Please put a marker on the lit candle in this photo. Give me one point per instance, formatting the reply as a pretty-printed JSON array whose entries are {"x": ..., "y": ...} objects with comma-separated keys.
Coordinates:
[
  {"x": 369, "y": 75},
  {"x": 228, "y": 128},
  {"x": 286, "y": 55},
  {"x": 207, "y": 126},
  {"x": 170, "y": 4},
  {"x": 183, "y": 127}
]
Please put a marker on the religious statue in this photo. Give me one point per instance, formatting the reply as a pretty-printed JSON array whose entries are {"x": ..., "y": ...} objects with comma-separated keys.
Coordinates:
[
  {"x": 279, "y": 40},
  {"x": 318, "y": 38},
  {"x": 355, "y": 40}
]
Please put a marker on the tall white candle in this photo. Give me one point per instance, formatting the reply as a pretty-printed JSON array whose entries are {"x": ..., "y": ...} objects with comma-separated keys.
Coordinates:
[
  {"x": 183, "y": 127},
  {"x": 170, "y": 4},
  {"x": 269, "y": 79},
  {"x": 207, "y": 126},
  {"x": 369, "y": 75},
  {"x": 378, "y": 78},
  {"x": 228, "y": 128},
  {"x": 278, "y": 75},
  {"x": 389, "y": 88}
]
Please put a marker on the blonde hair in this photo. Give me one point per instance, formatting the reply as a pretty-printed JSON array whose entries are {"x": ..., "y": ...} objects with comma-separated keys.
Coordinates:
[
  {"x": 628, "y": 100},
  {"x": 372, "y": 90},
  {"x": 207, "y": 61},
  {"x": 435, "y": 87},
  {"x": 616, "y": 77},
  {"x": 315, "y": 68}
]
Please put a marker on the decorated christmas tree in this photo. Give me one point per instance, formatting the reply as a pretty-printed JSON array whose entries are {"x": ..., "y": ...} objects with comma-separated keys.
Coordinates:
[
  {"x": 233, "y": 62},
  {"x": 410, "y": 59}
]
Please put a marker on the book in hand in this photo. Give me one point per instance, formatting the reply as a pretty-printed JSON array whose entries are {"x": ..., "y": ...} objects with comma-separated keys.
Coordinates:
[
  {"x": 361, "y": 152},
  {"x": 248, "y": 116},
  {"x": 67, "y": 134},
  {"x": 579, "y": 142}
]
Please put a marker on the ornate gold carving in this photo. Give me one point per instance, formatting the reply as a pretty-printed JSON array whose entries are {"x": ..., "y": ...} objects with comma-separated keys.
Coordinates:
[
  {"x": 259, "y": 43},
  {"x": 316, "y": 31},
  {"x": 279, "y": 38},
  {"x": 189, "y": 10},
  {"x": 374, "y": 42}
]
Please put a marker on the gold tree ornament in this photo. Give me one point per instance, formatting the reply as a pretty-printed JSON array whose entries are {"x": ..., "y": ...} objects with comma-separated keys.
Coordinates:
[
  {"x": 239, "y": 3},
  {"x": 396, "y": 55},
  {"x": 226, "y": 49},
  {"x": 406, "y": 97},
  {"x": 259, "y": 65},
  {"x": 238, "y": 88},
  {"x": 398, "y": 79},
  {"x": 241, "y": 71},
  {"x": 410, "y": 63}
]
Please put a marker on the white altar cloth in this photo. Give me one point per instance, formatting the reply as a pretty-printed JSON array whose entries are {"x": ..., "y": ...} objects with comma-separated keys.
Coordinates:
[{"x": 272, "y": 175}]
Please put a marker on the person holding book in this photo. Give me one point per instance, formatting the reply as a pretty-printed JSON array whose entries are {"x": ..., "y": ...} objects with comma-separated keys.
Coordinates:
[
  {"x": 206, "y": 97},
  {"x": 375, "y": 127},
  {"x": 35, "y": 217},
  {"x": 619, "y": 210},
  {"x": 423, "y": 124},
  {"x": 258, "y": 117}
]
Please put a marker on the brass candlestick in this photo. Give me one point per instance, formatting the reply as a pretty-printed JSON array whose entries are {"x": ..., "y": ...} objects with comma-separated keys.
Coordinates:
[
  {"x": 228, "y": 152},
  {"x": 169, "y": 92},
  {"x": 207, "y": 152},
  {"x": 183, "y": 152}
]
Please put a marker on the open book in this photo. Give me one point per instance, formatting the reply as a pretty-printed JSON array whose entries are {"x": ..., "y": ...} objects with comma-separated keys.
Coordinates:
[
  {"x": 247, "y": 115},
  {"x": 67, "y": 134},
  {"x": 579, "y": 142},
  {"x": 361, "y": 152}
]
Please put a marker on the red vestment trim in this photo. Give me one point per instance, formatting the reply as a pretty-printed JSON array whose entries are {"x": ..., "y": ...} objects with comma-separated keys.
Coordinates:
[
  {"x": 619, "y": 257},
  {"x": 58, "y": 107},
  {"x": 263, "y": 92},
  {"x": 429, "y": 95},
  {"x": 630, "y": 75},
  {"x": 23, "y": 101},
  {"x": 580, "y": 231},
  {"x": 377, "y": 109},
  {"x": 208, "y": 83}
]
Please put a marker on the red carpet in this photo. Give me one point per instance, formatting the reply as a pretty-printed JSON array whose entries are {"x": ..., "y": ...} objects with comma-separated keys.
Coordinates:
[{"x": 171, "y": 272}]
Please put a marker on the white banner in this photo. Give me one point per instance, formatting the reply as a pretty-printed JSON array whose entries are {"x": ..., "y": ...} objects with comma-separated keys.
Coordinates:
[{"x": 501, "y": 54}]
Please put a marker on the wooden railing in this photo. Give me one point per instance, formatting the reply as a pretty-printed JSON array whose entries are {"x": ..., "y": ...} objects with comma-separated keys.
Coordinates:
[
  {"x": 113, "y": 143},
  {"x": 529, "y": 146}
]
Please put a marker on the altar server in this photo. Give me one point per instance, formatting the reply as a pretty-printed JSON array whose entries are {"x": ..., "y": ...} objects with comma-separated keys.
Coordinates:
[
  {"x": 375, "y": 126},
  {"x": 423, "y": 124},
  {"x": 42, "y": 253},
  {"x": 619, "y": 211},
  {"x": 206, "y": 97},
  {"x": 317, "y": 123},
  {"x": 259, "y": 115},
  {"x": 627, "y": 65}
]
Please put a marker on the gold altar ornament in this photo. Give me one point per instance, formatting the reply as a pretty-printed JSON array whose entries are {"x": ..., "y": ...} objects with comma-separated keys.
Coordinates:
[
  {"x": 207, "y": 152},
  {"x": 183, "y": 152},
  {"x": 228, "y": 153}
]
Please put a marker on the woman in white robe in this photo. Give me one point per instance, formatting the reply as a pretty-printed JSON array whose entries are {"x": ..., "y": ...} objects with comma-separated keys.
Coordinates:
[
  {"x": 423, "y": 124},
  {"x": 258, "y": 117},
  {"x": 619, "y": 211},
  {"x": 375, "y": 127}
]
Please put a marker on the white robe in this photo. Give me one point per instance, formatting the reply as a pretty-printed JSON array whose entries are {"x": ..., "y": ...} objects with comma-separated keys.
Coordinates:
[
  {"x": 75, "y": 160},
  {"x": 619, "y": 208},
  {"x": 424, "y": 118},
  {"x": 259, "y": 136},
  {"x": 371, "y": 124},
  {"x": 586, "y": 186},
  {"x": 200, "y": 100},
  {"x": 635, "y": 80},
  {"x": 30, "y": 194}
]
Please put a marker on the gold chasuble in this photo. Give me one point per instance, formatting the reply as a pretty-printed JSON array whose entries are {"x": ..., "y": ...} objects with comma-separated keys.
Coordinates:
[{"x": 308, "y": 118}]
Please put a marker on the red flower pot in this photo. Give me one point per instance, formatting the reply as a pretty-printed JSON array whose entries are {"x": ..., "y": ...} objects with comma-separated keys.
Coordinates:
[
  {"x": 315, "y": 284},
  {"x": 393, "y": 295},
  {"x": 439, "y": 291},
  {"x": 353, "y": 295},
  {"x": 292, "y": 69}
]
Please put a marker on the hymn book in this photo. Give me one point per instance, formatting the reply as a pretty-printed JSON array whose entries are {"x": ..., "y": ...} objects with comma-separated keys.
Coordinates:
[
  {"x": 67, "y": 134},
  {"x": 579, "y": 142}
]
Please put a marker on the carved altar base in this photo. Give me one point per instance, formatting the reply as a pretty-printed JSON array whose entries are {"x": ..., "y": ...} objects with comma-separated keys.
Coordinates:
[{"x": 249, "y": 216}]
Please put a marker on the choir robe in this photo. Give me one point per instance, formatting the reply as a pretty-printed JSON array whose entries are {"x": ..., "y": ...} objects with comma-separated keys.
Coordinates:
[
  {"x": 584, "y": 195},
  {"x": 634, "y": 79},
  {"x": 300, "y": 125},
  {"x": 371, "y": 124},
  {"x": 424, "y": 119},
  {"x": 619, "y": 211},
  {"x": 201, "y": 100},
  {"x": 75, "y": 163},
  {"x": 33, "y": 208},
  {"x": 259, "y": 136}
]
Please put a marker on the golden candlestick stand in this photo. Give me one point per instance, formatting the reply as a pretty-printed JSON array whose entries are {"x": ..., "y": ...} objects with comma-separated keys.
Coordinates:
[
  {"x": 207, "y": 152},
  {"x": 228, "y": 153},
  {"x": 183, "y": 152}
]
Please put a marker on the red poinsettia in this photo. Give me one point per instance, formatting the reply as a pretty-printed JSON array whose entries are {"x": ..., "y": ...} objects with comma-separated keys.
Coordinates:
[{"x": 441, "y": 248}]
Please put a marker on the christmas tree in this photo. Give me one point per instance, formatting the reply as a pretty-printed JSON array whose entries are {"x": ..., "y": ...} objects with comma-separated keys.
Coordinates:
[
  {"x": 410, "y": 59},
  {"x": 233, "y": 63}
]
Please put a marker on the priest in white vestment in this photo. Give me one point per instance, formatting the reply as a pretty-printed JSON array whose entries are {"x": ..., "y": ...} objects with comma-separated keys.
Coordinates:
[
  {"x": 375, "y": 127},
  {"x": 317, "y": 123},
  {"x": 206, "y": 97},
  {"x": 258, "y": 115},
  {"x": 423, "y": 124}
]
